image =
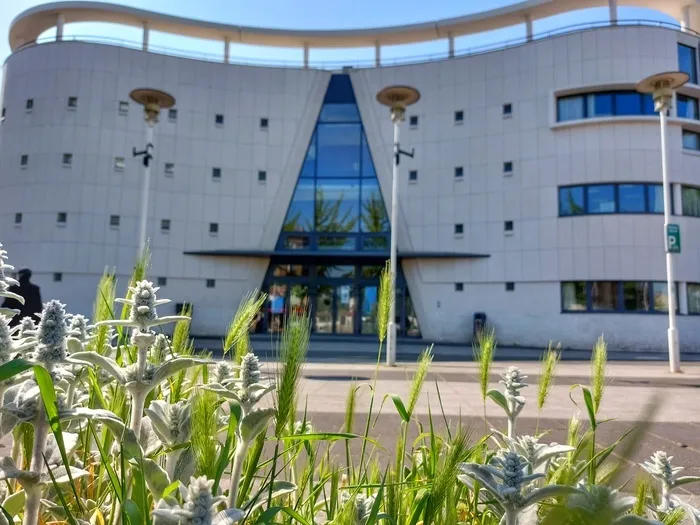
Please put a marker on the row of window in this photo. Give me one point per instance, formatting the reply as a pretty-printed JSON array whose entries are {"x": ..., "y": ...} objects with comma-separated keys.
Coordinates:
[
  {"x": 623, "y": 296},
  {"x": 115, "y": 221},
  {"x": 160, "y": 281},
  {"x": 507, "y": 111},
  {"x": 510, "y": 287},
  {"x": 459, "y": 172},
  {"x": 596, "y": 199}
]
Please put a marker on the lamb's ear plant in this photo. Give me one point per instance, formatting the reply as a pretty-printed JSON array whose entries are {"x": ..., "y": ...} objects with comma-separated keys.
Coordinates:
[
  {"x": 510, "y": 399},
  {"x": 661, "y": 469}
]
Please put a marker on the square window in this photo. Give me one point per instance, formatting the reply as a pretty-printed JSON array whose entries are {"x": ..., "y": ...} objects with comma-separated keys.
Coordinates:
[
  {"x": 690, "y": 198},
  {"x": 693, "y": 298},
  {"x": 604, "y": 295},
  {"x": 571, "y": 201},
  {"x": 507, "y": 226},
  {"x": 459, "y": 287},
  {"x": 165, "y": 225},
  {"x": 655, "y": 198},
  {"x": 114, "y": 220},
  {"x": 636, "y": 296},
  {"x": 264, "y": 123},
  {"x": 162, "y": 281},
  {"x": 507, "y": 110},
  {"x": 459, "y": 229},
  {"x": 172, "y": 115},
  {"x": 169, "y": 168},
  {"x": 213, "y": 228},
  {"x": 67, "y": 159},
  {"x": 72, "y": 102},
  {"x": 570, "y": 108},
  {"x": 459, "y": 172},
  {"x": 573, "y": 296},
  {"x": 2, "y": 115},
  {"x": 413, "y": 175},
  {"x": 119, "y": 163},
  {"x": 219, "y": 119},
  {"x": 687, "y": 107},
  {"x": 211, "y": 283},
  {"x": 691, "y": 140},
  {"x": 57, "y": 277},
  {"x": 262, "y": 176},
  {"x": 216, "y": 173},
  {"x": 413, "y": 121},
  {"x": 61, "y": 217},
  {"x": 29, "y": 104},
  {"x": 601, "y": 198},
  {"x": 24, "y": 160},
  {"x": 510, "y": 287},
  {"x": 123, "y": 107},
  {"x": 632, "y": 198},
  {"x": 508, "y": 167},
  {"x": 18, "y": 218},
  {"x": 459, "y": 116}
]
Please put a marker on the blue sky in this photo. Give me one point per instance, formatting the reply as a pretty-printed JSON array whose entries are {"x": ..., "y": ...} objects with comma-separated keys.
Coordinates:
[{"x": 316, "y": 14}]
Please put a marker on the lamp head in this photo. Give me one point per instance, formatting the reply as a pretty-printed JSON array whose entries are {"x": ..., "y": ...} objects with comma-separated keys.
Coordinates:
[
  {"x": 152, "y": 100},
  {"x": 398, "y": 98},
  {"x": 661, "y": 86}
]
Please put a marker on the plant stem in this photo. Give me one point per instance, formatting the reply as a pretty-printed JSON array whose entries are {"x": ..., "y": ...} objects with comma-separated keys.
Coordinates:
[
  {"x": 238, "y": 458},
  {"x": 170, "y": 462},
  {"x": 138, "y": 399},
  {"x": 70, "y": 395},
  {"x": 511, "y": 427},
  {"x": 511, "y": 517},
  {"x": 41, "y": 432}
]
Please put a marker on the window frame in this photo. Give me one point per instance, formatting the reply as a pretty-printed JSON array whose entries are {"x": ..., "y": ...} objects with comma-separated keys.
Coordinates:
[
  {"x": 219, "y": 119},
  {"x": 165, "y": 225},
  {"x": 114, "y": 223},
  {"x": 72, "y": 103},
  {"x": 586, "y": 101},
  {"x": 172, "y": 115},
  {"x": 459, "y": 172},
  {"x": 67, "y": 160},
  {"x": 262, "y": 175},
  {"x": 412, "y": 175},
  {"x": 620, "y": 293},
  {"x": 264, "y": 123},
  {"x": 19, "y": 217},
  {"x": 24, "y": 160},
  {"x": 694, "y": 134},
  {"x": 413, "y": 121},
  {"x": 686, "y": 100},
  {"x": 459, "y": 116},
  {"x": 508, "y": 109},
  {"x": 458, "y": 228},
  {"x": 683, "y": 204},
  {"x": 687, "y": 292},
  {"x": 616, "y": 190},
  {"x": 58, "y": 277},
  {"x": 459, "y": 287},
  {"x": 213, "y": 228},
  {"x": 210, "y": 283},
  {"x": 216, "y": 173},
  {"x": 61, "y": 217},
  {"x": 693, "y": 73},
  {"x": 123, "y": 108}
]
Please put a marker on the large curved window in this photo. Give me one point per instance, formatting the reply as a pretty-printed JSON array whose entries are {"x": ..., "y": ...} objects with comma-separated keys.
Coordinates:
[
  {"x": 596, "y": 199},
  {"x": 615, "y": 296},
  {"x": 603, "y": 104}
]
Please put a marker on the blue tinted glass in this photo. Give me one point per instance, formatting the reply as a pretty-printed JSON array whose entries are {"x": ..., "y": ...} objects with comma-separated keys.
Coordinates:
[
  {"x": 655, "y": 198},
  {"x": 691, "y": 140},
  {"x": 308, "y": 169},
  {"x": 300, "y": 217},
  {"x": 337, "y": 205},
  {"x": 648, "y": 104},
  {"x": 627, "y": 103},
  {"x": 571, "y": 201},
  {"x": 339, "y": 113},
  {"x": 374, "y": 217},
  {"x": 632, "y": 198},
  {"x": 687, "y": 107},
  {"x": 570, "y": 108},
  {"x": 601, "y": 198},
  {"x": 339, "y": 90},
  {"x": 337, "y": 243},
  {"x": 338, "y": 150},
  {"x": 602, "y": 105},
  {"x": 367, "y": 164},
  {"x": 687, "y": 62}
]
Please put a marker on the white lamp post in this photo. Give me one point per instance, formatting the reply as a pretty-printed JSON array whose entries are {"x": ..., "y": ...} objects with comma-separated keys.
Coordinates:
[
  {"x": 397, "y": 98},
  {"x": 662, "y": 86},
  {"x": 152, "y": 101}
]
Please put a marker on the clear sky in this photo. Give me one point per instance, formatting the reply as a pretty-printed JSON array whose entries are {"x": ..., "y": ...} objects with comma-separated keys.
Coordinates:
[{"x": 315, "y": 14}]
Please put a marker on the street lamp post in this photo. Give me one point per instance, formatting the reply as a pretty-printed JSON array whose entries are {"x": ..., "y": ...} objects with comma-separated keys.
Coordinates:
[
  {"x": 662, "y": 86},
  {"x": 152, "y": 101},
  {"x": 397, "y": 98}
]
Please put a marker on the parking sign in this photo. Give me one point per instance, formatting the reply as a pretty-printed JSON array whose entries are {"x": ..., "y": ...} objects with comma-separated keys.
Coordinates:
[{"x": 673, "y": 238}]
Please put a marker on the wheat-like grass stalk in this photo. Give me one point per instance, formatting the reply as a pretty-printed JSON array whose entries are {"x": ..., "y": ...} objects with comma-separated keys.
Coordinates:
[
  {"x": 245, "y": 315},
  {"x": 424, "y": 361},
  {"x": 484, "y": 353},
  {"x": 181, "y": 332},
  {"x": 103, "y": 310},
  {"x": 385, "y": 297},
  {"x": 550, "y": 362},
  {"x": 205, "y": 427},
  {"x": 599, "y": 362},
  {"x": 242, "y": 347}
]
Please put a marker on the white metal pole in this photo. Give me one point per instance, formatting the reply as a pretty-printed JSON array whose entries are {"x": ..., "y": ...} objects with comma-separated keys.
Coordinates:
[
  {"x": 391, "y": 329},
  {"x": 143, "y": 219},
  {"x": 674, "y": 357}
]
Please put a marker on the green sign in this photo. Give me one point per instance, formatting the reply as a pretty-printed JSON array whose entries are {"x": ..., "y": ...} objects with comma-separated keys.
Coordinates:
[{"x": 673, "y": 238}]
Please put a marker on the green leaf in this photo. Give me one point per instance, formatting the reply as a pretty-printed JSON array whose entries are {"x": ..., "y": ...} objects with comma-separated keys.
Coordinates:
[
  {"x": 156, "y": 478},
  {"x": 255, "y": 423},
  {"x": 59, "y": 492},
  {"x": 499, "y": 399},
  {"x": 279, "y": 488},
  {"x": 684, "y": 480},
  {"x": 374, "y": 512},
  {"x": 14, "y": 367},
  {"x": 225, "y": 455},
  {"x": 15, "y": 503},
  {"x": 133, "y": 514},
  {"x": 588, "y": 400},
  {"x": 419, "y": 508},
  {"x": 266, "y": 517},
  {"x": 550, "y": 491},
  {"x": 329, "y": 436},
  {"x": 171, "y": 488},
  {"x": 400, "y": 407},
  {"x": 107, "y": 465}
]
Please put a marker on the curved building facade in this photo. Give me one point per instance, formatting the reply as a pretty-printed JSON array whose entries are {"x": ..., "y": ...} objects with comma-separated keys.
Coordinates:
[{"x": 534, "y": 195}]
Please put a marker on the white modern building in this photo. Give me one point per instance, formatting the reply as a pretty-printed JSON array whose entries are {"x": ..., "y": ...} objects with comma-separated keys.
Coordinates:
[{"x": 534, "y": 195}]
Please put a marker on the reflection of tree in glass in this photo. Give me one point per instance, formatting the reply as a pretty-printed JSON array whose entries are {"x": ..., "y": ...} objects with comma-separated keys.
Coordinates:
[
  {"x": 328, "y": 215},
  {"x": 574, "y": 208},
  {"x": 374, "y": 218}
]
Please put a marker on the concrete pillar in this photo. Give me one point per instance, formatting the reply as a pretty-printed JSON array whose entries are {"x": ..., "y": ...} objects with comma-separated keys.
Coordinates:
[
  {"x": 528, "y": 28},
  {"x": 450, "y": 45},
  {"x": 306, "y": 56},
  {"x": 685, "y": 18},
  {"x": 226, "y": 50},
  {"x": 59, "y": 27},
  {"x": 377, "y": 54},
  {"x": 146, "y": 35},
  {"x": 683, "y": 298},
  {"x": 612, "y": 4}
]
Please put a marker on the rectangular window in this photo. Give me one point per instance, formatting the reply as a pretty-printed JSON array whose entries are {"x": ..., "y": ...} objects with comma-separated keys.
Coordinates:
[
  {"x": 413, "y": 121},
  {"x": 636, "y": 296},
  {"x": 690, "y": 198},
  {"x": 291, "y": 270},
  {"x": 123, "y": 108},
  {"x": 604, "y": 295},
  {"x": 659, "y": 294},
  {"x": 61, "y": 217},
  {"x": 18, "y": 218},
  {"x": 459, "y": 287},
  {"x": 510, "y": 287},
  {"x": 459, "y": 172},
  {"x": 573, "y": 296},
  {"x": 2, "y": 115},
  {"x": 172, "y": 115},
  {"x": 628, "y": 103},
  {"x": 693, "y": 298},
  {"x": 211, "y": 283},
  {"x": 67, "y": 159},
  {"x": 119, "y": 163},
  {"x": 508, "y": 167},
  {"x": 57, "y": 277},
  {"x": 632, "y": 198},
  {"x": 165, "y": 225},
  {"x": 413, "y": 175},
  {"x": 72, "y": 102},
  {"x": 29, "y": 104},
  {"x": 570, "y": 108},
  {"x": 459, "y": 229},
  {"x": 601, "y": 198},
  {"x": 340, "y": 243},
  {"x": 162, "y": 281},
  {"x": 691, "y": 140},
  {"x": 687, "y": 62},
  {"x": 219, "y": 119},
  {"x": 264, "y": 122},
  {"x": 459, "y": 116},
  {"x": 114, "y": 220},
  {"x": 507, "y": 110},
  {"x": 655, "y": 198},
  {"x": 169, "y": 168},
  {"x": 571, "y": 201},
  {"x": 297, "y": 242},
  {"x": 599, "y": 105},
  {"x": 335, "y": 272},
  {"x": 24, "y": 160},
  {"x": 507, "y": 226},
  {"x": 216, "y": 173},
  {"x": 262, "y": 176},
  {"x": 213, "y": 228},
  {"x": 687, "y": 107}
]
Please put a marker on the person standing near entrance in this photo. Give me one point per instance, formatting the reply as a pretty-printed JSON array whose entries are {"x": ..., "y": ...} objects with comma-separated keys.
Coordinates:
[{"x": 31, "y": 294}]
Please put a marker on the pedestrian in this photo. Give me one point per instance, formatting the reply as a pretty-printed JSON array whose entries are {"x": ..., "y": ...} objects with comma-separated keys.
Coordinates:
[{"x": 31, "y": 294}]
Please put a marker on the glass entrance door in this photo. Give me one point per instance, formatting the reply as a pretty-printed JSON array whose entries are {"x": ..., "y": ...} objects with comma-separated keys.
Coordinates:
[
  {"x": 345, "y": 309},
  {"x": 323, "y": 313},
  {"x": 368, "y": 313}
]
